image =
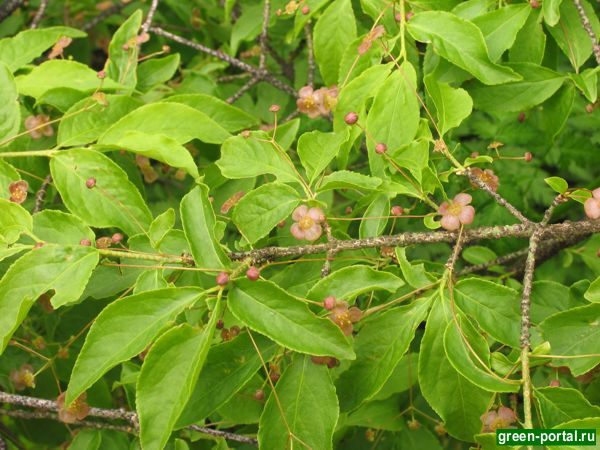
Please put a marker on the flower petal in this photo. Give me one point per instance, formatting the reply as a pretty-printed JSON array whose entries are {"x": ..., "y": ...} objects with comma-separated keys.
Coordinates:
[
  {"x": 316, "y": 214},
  {"x": 297, "y": 232},
  {"x": 463, "y": 199},
  {"x": 313, "y": 233},
  {"x": 592, "y": 208},
  {"x": 466, "y": 215},
  {"x": 450, "y": 222},
  {"x": 299, "y": 212}
]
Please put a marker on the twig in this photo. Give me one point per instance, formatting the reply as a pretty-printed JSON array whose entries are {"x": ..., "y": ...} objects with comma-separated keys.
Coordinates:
[
  {"x": 150, "y": 16},
  {"x": 39, "y": 14},
  {"x": 326, "y": 270},
  {"x": 509, "y": 258},
  {"x": 224, "y": 434},
  {"x": 499, "y": 199},
  {"x": 115, "y": 9},
  {"x": 310, "y": 76},
  {"x": 587, "y": 26},
  {"x": 264, "y": 35},
  {"x": 8, "y": 7},
  {"x": 41, "y": 194},
  {"x": 245, "y": 88},
  {"x": 262, "y": 75}
]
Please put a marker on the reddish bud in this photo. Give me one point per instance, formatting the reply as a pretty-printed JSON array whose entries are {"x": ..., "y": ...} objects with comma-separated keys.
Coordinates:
[
  {"x": 281, "y": 224},
  {"x": 329, "y": 302},
  {"x": 528, "y": 156},
  {"x": 351, "y": 118},
  {"x": 234, "y": 331},
  {"x": 535, "y": 4},
  {"x": 474, "y": 154},
  {"x": 274, "y": 108},
  {"x": 598, "y": 253},
  {"x": 333, "y": 362},
  {"x": 101, "y": 74},
  {"x": 279, "y": 12},
  {"x": 409, "y": 15},
  {"x": 220, "y": 324},
  {"x": 62, "y": 353},
  {"x": 380, "y": 148},
  {"x": 85, "y": 242},
  {"x": 116, "y": 238},
  {"x": 274, "y": 376},
  {"x": 348, "y": 210},
  {"x": 259, "y": 395},
  {"x": 305, "y": 10},
  {"x": 90, "y": 182},
  {"x": 39, "y": 244},
  {"x": 521, "y": 117},
  {"x": 554, "y": 383},
  {"x": 253, "y": 273},
  {"x": 398, "y": 17},
  {"x": 222, "y": 278},
  {"x": 440, "y": 430},
  {"x": 397, "y": 210},
  {"x": 589, "y": 108},
  {"x": 414, "y": 424}
]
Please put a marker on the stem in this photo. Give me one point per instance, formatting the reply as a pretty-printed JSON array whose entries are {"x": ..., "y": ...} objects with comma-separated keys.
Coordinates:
[
  {"x": 23, "y": 154},
  {"x": 402, "y": 31}
]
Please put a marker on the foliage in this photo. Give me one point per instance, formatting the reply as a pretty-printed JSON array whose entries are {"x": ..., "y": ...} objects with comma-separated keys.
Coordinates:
[{"x": 220, "y": 222}]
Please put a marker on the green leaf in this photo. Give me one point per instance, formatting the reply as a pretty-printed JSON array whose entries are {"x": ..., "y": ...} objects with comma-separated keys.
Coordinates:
[
  {"x": 556, "y": 111},
  {"x": 402, "y": 378},
  {"x": 259, "y": 211},
  {"x": 334, "y": 30},
  {"x": 150, "y": 280},
  {"x": 460, "y": 42},
  {"x": 414, "y": 157},
  {"x": 198, "y": 219},
  {"x": 113, "y": 202},
  {"x": 414, "y": 274},
  {"x": 268, "y": 309},
  {"x": 558, "y": 184},
  {"x": 306, "y": 406},
  {"x": 452, "y": 105},
  {"x": 375, "y": 217},
  {"x": 161, "y": 226},
  {"x": 587, "y": 82},
  {"x": 86, "y": 439},
  {"x": 570, "y": 36},
  {"x": 168, "y": 377},
  {"x": 478, "y": 254},
  {"x": 62, "y": 73},
  {"x": 317, "y": 149},
  {"x": 229, "y": 366},
  {"x": 124, "y": 329},
  {"x": 537, "y": 85},
  {"x": 551, "y": 11},
  {"x": 380, "y": 415},
  {"x": 14, "y": 221},
  {"x": 8, "y": 175},
  {"x": 86, "y": 120},
  {"x": 547, "y": 298},
  {"x": 10, "y": 114},
  {"x": 64, "y": 269},
  {"x": 156, "y": 71},
  {"x": 57, "y": 227},
  {"x": 179, "y": 122},
  {"x": 394, "y": 117},
  {"x": 344, "y": 179},
  {"x": 19, "y": 50},
  {"x": 350, "y": 282},
  {"x": 455, "y": 399},
  {"x": 530, "y": 43},
  {"x": 380, "y": 345},
  {"x": 246, "y": 27},
  {"x": 500, "y": 27},
  {"x": 472, "y": 367},
  {"x": 574, "y": 332},
  {"x": 593, "y": 292},
  {"x": 490, "y": 304},
  {"x": 123, "y": 51},
  {"x": 228, "y": 116},
  {"x": 558, "y": 405},
  {"x": 250, "y": 157},
  {"x": 157, "y": 146}
]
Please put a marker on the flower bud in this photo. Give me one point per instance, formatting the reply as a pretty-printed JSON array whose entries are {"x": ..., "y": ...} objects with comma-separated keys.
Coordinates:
[
  {"x": 253, "y": 273},
  {"x": 380, "y": 148},
  {"x": 90, "y": 182},
  {"x": 397, "y": 210},
  {"x": 351, "y": 118},
  {"x": 222, "y": 278},
  {"x": 329, "y": 302}
]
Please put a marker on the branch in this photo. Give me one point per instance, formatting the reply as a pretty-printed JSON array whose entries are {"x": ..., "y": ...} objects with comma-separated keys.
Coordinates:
[
  {"x": 587, "y": 26},
  {"x": 264, "y": 35},
  {"x": 148, "y": 22},
  {"x": 310, "y": 77},
  {"x": 39, "y": 14},
  {"x": 41, "y": 194},
  {"x": 8, "y": 7},
  {"x": 245, "y": 88}
]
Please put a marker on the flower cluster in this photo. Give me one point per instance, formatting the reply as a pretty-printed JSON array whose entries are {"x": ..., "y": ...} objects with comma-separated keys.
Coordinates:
[
  {"x": 317, "y": 103},
  {"x": 307, "y": 223},
  {"x": 23, "y": 377},
  {"x": 38, "y": 126},
  {"x": 18, "y": 191},
  {"x": 592, "y": 205},
  {"x": 503, "y": 418},
  {"x": 487, "y": 177},
  {"x": 457, "y": 212},
  {"x": 344, "y": 317},
  {"x": 78, "y": 410}
]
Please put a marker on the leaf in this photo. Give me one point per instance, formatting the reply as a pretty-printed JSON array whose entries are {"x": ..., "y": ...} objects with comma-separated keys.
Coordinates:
[
  {"x": 309, "y": 409},
  {"x": 63, "y": 269},
  {"x": 402, "y": 378},
  {"x": 345, "y": 179},
  {"x": 246, "y": 27},
  {"x": 459, "y": 353},
  {"x": 558, "y": 184},
  {"x": 156, "y": 71},
  {"x": 380, "y": 345},
  {"x": 86, "y": 439},
  {"x": 460, "y": 42},
  {"x": 259, "y": 211},
  {"x": 198, "y": 219},
  {"x": 150, "y": 280},
  {"x": 226, "y": 115},
  {"x": 229, "y": 366},
  {"x": 57, "y": 227},
  {"x": 558, "y": 405},
  {"x": 123, "y": 51},
  {"x": 168, "y": 377},
  {"x": 8, "y": 175},
  {"x": 271, "y": 311},
  {"x": 551, "y": 11},
  {"x": 538, "y": 84},
  {"x": 377, "y": 414},
  {"x": 10, "y": 114},
  {"x": 179, "y": 122},
  {"x": 317, "y": 149},
  {"x": 161, "y": 226},
  {"x": 375, "y": 217},
  {"x": 334, "y": 30},
  {"x": 14, "y": 221},
  {"x": 556, "y": 111},
  {"x": 243, "y": 157},
  {"x": 500, "y": 27},
  {"x": 86, "y": 120},
  {"x": 414, "y": 157},
  {"x": 455, "y": 399},
  {"x": 350, "y": 282},
  {"x": 490, "y": 304},
  {"x": 394, "y": 117},
  {"x": 159, "y": 147},
  {"x": 547, "y": 298},
  {"x": 530, "y": 43},
  {"x": 124, "y": 329},
  {"x": 452, "y": 105},
  {"x": 113, "y": 202},
  {"x": 19, "y": 50},
  {"x": 62, "y": 73},
  {"x": 574, "y": 332}
]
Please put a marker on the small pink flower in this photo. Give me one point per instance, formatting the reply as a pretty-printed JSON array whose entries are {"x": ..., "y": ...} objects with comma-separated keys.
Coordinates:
[
  {"x": 372, "y": 35},
  {"x": 329, "y": 99},
  {"x": 309, "y": 101},
  {"x": 59, "y": 47},
  {"x": 38, "y": 126},
  {"x": 457, "y": 212},
  {"x": 503, "y": 418},
  {"x": 486, "y": 176},
  {"x": 592, "y": 205},
  {"x": 345, "y": 317},
  {"x": 307, "y": 223}
]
